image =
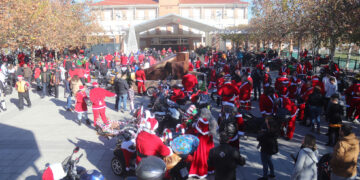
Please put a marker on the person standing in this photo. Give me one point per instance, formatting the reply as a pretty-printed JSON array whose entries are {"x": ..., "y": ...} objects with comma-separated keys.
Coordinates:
[
  {"x": 81, "y": 106},
  {"x": 2, "y": 91},
  {"x": 257, "y": 76},
  {"x": 334, "y": 112},
  {"x": 315, "y": 108},
  {"x": 22, "y": 88},
  {"x": 269, "y": 146},
  {"x": 345, "y": 156},
  {"x": 45, "y": 80},
  {"x": 67, "y": 93},
  {"x": 27, "y": 73},
  {"x": 55, "y": 80},
  {"x": 37, "y": 77},
  {"x": 97, "y": 97},
  {"x": 121, "y": 90},
  {"x": 140, "y": 79},
  {"x": 225, "y": 158},
  {"x": 306, "y": 160}
]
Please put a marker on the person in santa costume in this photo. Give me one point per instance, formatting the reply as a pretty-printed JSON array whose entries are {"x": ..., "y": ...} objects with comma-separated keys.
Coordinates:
[
  {"x": 191, "y": 66},
  {"x": 294, "y": 87},
  {"x": 198, "y": 64},
  {"x": 245, "y": 93},
  {"x": 97, "y": 97},
  {"x": 267, "y": 78},
  {"x": 285, "y": 69},
  {"x": 147, "y": 143},
  {"x": 282, "y": 84},
  {"x": 140, "y": 80},
  {"x": 305, "y": 92},
  {"x": 199, "y": 166},
  {"x": 352, "y": 95},
  {"x": 81, "y": 106},
  {"x": 189, "y": 81},
  {"x": 228, "y": 92},
  {"x": 301, "y": 70},
  {"x": 291, "y": 107},
  {"x": 213, "y": 79},
  {"x": 267, "y": 102}
]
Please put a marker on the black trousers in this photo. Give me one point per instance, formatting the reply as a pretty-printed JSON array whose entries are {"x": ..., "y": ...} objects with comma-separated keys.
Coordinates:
[
  {"x": 22, "y": 96},
  {"x": 257, "y": 89},
  {"x": 333, "y": 135},
  {"x": 56, "y": 90}
]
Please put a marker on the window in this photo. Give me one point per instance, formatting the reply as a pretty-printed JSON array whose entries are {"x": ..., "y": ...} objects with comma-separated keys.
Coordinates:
[
  {"x": 207, "y": 13},
  {"x": 140, "y": 14},
  {"x": 218, "y": 13},
  {"x": 107, "y": 15},
  {"x": 118, "y": 15},
  {"x": 185, "y": 12},
  {"x": 129, "y": 14},
  {"x": 196, "y": 13},
  {"x": 241, "y": 13},
  {"x": 230, "y": 13},
  {"x": 151, "y": 14}
]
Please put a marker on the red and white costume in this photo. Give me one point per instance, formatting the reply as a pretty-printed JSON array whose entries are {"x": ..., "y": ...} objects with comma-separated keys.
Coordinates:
[
  {"x": 97, "y": 97},
  {"x": 266, "y": 80},
  {"x": 282, "y": 84},
  {"x": 245, "y": 95},
  {"x": 80, "y": 105},
  {"x": 294, "y": 87},
  {"x": 189, "y": 81},
  {"x": 148, "y": 144},
  {"x": 267, "y": 104},
  {"x": 284, "y": 69},
  {"x": 228, "y": 92},
  {"x": 212, "y": 79},
  {"x": 353, "y": 100},
  {"x": 301, "y": 70},
  {"x": 140, "y": 79},
  {"x": 198, "y": 65},
  {"x": 191, "y": 67},
  {"x": 199, "y": 166},
  {"x": 291, "y": 107}
]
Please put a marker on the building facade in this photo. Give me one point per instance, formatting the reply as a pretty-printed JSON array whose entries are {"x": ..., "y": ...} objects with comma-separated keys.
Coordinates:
[{"x": 169, "y": 23}]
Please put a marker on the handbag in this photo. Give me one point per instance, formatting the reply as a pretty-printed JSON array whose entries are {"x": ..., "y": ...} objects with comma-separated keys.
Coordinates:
[{"x": 172, "y": 161}]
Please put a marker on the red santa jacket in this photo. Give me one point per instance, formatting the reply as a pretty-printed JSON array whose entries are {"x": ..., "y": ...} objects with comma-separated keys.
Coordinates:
[
  {"x": 226, "y": 69},
  {"x": 316, "y": 82},
  {"x": 267, "y": 104},
  {"x": 124, "y": 60},
  {"x": 281, "y": 85},
  {"x": 97, "y": 97},
  {"x": 37, "y": 73},
  {"x": 109, "y": 57},
  {"x": 227, "y": 92},
  {"x": 191, "y": 67},
  {"x": 267, "y": 80},
  {"x": 240, "y": 122},
  {"x": 140, "y": 75},
  {"x": 213, "y": 76},
  {"x": 305, "y": 92},
  {"x": 245, "y": 92},
  {"x": 308, "y": 66},
  {"x": 198, "y": 63},
  {"x": 284, "y": 69},
  {"x": 189, "y": 81},
  {"x": 301, "y": 69},
  {"x": 206, "y": 60},
  {"x": 353, "y": 91},
  {"x": 289, "y": 105},
  {"x": 294, "y": 87},
  {"x": 141, "y": 58},
  {"x": 80, "y": 105},
  {"x": 150, "y": 145},
  {"x": 177, "y": 94}
]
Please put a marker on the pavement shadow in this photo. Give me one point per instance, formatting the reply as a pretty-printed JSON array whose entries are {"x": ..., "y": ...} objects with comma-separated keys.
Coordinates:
[
  {"x": 18, "y": 152},
  {"x": 68, "y": 115},
  {"x": 98, "y": 154},
  {"x": 58, "y": 102}
]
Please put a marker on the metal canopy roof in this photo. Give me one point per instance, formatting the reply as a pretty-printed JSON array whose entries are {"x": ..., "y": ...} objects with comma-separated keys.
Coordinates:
[{"x": 173, "y": 18}]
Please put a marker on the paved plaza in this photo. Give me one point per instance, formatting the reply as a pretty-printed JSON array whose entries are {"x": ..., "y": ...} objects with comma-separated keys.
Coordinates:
[{"x": 46, "y": 133}]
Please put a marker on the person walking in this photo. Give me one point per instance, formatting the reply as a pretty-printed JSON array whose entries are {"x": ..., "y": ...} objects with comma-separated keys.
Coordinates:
[
  {"x": 121, "y": 89},
  {"x": 333, "y": 115},
  {"x": 97, "y": 97},
  {"x": 27, "y": 73},
  {"x": 67, "y": 93},
  {"x": 345, "y": 156},
  {"x": 225, "y": 158},
  {"x": 81, "y": 106},
  {"x": 315, "y": 108},
  {"x": 45, "y": 80},
  {"x": 22, "y": 88},
  {"x": 140, "y": 79},
  {"x": 269, "y": 146},
  {"x": 306, "y": 160}
]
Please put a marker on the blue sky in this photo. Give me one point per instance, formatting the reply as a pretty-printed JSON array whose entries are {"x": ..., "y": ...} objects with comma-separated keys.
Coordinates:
[{"x": 249, "y": 9}]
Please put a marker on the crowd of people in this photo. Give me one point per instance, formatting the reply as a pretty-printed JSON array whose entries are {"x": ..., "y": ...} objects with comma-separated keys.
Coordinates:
[{"x": 307, "y": 97}]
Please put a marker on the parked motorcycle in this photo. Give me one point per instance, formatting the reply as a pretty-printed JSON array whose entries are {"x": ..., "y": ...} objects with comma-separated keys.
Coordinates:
[{"x": 68, "y": 170}]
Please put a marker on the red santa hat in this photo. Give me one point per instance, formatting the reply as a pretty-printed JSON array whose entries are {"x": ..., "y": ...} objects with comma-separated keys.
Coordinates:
[
  {"x": 20, "y": 76},
  {"x": 151, "y": 125},
  {"x": 202, "y": 126},
  {"x": 283, "y": 73},
  {"x": 82, "y": 87},
  {"x": 95, "y": 84}
]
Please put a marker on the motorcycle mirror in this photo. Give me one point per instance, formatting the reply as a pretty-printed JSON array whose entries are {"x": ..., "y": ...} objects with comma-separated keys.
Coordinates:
[{"x": 76, "y": 149}]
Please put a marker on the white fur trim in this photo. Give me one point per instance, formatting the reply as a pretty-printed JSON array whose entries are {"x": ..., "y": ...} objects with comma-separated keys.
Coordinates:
[
  {"x": 57, "y": 170},
  {"x": 200, "y": 131},
  {"x": 202, "y": 120},
  {"x": 227, "y": 103},
  {"x": 238, "y": 115},
  {"x": 198, "y": 176}
]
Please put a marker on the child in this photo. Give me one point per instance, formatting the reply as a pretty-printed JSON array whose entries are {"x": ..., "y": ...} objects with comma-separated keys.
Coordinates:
[{"x": 81, "y": 106}]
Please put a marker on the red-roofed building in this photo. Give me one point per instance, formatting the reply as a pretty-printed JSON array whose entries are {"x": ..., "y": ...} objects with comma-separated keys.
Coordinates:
[{"x": 170, "y": 23}]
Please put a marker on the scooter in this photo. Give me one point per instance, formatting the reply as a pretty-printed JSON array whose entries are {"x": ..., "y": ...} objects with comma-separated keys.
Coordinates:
[{"x": 68, "y": 170}]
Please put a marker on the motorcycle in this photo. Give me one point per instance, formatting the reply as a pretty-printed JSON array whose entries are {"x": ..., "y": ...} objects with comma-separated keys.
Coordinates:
[
  {"x": 68, "y": 170},
  {"x": 152, "y": 90}
]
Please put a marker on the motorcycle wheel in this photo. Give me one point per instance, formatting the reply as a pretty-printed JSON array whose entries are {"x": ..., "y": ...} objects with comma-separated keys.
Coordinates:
[
  {"x": 150, "y": 91},
  {"x": 117, "y": 166}
]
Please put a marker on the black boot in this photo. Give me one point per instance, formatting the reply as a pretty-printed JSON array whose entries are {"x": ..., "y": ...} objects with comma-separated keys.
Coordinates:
[{"x": 88, "y": 122}]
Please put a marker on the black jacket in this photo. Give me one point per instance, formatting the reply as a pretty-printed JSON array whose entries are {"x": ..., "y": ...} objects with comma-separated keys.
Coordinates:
[
  {"x": 334, "y": 112},
  {"x": 225, "y": 158},
  {"x": 121, "y": 86},
  {"x": 315, "y": 99},
  {"x": 268, "y": 143}
]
